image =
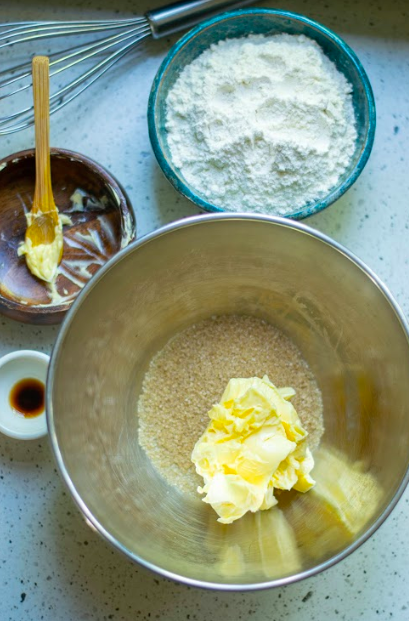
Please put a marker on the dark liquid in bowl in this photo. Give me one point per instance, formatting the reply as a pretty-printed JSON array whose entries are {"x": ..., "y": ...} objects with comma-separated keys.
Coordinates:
[{"x": 27, "y": 397}]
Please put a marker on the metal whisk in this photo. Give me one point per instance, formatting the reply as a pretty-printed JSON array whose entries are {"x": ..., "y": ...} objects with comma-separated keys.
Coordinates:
[{"x": 120, "y": 37}]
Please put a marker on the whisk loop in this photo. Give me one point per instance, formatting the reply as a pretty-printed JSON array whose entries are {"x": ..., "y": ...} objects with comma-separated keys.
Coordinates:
[
  {"x": 113, "y": 48},
  {"x": 120, "y": 36}
]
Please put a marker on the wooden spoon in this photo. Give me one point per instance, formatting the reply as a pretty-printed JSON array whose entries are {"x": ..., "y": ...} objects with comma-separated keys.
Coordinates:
[{"x": 44, "y": 213}]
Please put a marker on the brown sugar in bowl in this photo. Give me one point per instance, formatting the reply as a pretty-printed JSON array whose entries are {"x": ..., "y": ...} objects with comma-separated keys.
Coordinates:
[{"x": 103, "y": 222}]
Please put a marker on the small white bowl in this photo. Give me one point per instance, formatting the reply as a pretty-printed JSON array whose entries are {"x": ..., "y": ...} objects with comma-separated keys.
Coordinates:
[{"x": 14, "y": 367}]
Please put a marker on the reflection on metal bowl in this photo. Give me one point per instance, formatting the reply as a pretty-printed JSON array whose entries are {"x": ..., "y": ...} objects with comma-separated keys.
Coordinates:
[{"x": 349, "y": 330}]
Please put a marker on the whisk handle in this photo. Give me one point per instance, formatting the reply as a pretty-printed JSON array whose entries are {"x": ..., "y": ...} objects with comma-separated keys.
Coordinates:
[{"x": 180, "y": 15}]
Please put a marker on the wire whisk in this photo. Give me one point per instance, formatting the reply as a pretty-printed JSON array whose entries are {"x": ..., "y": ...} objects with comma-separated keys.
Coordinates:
[{"x": 120, "y": 36}]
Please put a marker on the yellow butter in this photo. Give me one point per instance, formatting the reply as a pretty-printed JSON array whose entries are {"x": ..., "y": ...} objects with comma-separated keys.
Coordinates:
[
  {"x": 43, "y": 259},
  {"x": 253, "y": 445}
]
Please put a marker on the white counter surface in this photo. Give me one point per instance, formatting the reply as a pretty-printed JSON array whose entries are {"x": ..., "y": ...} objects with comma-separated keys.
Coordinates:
[{"x": 52, "y": 566}]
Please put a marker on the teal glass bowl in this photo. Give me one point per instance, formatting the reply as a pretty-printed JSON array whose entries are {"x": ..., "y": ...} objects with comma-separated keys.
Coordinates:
[{"x": 268, "y": 22}]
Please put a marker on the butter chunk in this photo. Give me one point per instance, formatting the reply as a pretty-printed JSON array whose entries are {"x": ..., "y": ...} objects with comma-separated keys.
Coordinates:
[
  {"x": 43, "y": 259},
  {"x": 253, "y": 445}
]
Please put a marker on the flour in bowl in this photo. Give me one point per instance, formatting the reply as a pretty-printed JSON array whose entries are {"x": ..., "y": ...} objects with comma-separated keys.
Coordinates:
[{"x": 261, "y": 123}]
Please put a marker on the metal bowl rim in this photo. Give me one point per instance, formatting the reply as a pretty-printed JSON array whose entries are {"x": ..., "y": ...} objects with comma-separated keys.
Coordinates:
[{"x": 90, "y": 518}]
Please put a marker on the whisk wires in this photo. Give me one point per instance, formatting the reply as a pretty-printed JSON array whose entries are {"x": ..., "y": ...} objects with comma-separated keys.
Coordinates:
[{"x": 124, "y": 35}]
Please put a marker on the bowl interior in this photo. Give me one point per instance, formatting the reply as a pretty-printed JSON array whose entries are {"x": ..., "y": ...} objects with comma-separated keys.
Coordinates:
[
  {"x": 266, "y": 22},
  {"x": 102, "y": 223},
  {"x": 347, "y": 330}
]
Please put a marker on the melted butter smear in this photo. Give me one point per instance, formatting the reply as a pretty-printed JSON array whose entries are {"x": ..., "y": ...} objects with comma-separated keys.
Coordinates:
[{"x": 43, "y": 259}]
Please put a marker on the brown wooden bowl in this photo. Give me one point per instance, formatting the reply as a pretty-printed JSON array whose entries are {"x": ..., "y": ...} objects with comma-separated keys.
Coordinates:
[{"x": 102, "y": 223}]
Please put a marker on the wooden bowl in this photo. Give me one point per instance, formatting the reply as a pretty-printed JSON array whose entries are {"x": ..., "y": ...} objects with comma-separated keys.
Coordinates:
[{"x": 102, "y": 223}]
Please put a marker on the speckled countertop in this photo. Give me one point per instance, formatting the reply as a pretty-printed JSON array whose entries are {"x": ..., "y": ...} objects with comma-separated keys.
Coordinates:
[{"x": 52, "y": 566}]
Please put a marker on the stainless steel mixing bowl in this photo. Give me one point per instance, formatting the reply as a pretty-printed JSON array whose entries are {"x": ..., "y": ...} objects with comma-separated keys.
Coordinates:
[{"x": 349, "y": 329}]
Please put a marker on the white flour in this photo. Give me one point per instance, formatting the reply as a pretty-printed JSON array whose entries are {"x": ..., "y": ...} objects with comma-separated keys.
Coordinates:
[{"x": 261, "y": 124}]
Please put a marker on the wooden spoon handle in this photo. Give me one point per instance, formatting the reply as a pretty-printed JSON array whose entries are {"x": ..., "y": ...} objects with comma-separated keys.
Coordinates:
[{"x": 43, "y": 196}]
